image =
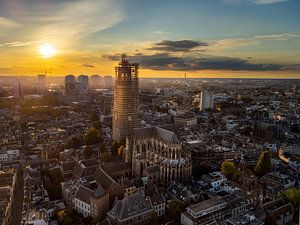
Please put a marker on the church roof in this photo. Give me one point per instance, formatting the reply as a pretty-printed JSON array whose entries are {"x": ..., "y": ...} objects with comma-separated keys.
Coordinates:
[
  {"x": 99, "y": 192},
  {"x": 103, "y": 179},
  {"x": 165, "y": 133},
  {"x": 133, "y": 205},
  {"x": 83, "y": 194}
]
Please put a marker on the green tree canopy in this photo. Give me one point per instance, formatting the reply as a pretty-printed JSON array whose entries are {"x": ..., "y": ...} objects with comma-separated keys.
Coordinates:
[
  {"x": 92, "y": 137},
  {"x": 88, "y": 152},
  {"x": 229, "y": 170},
  {"x": 264, "y": 164},
  {"x": 97, "y": 124},
  {"x": 292, "y": 195},
  {"x": 64, "y": 217},
  {"x": 94, "y": 117},
  {"x": 106, "y": 156},
  {"x": 103, "y": 147},
  {"x": 120, "y": 151}
]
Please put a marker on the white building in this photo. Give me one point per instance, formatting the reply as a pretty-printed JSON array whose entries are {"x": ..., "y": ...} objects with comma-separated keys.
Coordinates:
[
  {"x": 159, "y": 205},
  {"x": 82, "y": 201},
  {"x": 206, "y": 100},
  {"x": 204, "y": 212},
  {"x": 9, "y": 155},
  {"x": 215, "y": 179},
  {"x": 13, "y": 154}
]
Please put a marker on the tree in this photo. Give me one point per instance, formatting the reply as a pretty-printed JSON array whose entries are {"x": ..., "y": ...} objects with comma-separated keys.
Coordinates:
[
  {"x": 229, "y": 170},
  {"x": 92, "y": 137},
  {"x": 120, "y": 151},
  {"x": 88, "y": 152},
  {"x": 154, "y": 217},
  {"x": 103, "y": 148},
  {"x": 292, "y": 195},
  {"x": 106, "y": 156},
  {"x": 174, "y": 210},
  {"x": 264, "y": 164},
  {"x": 97, "y": 124},
  {"x": 94, "y": 117},
  {"x": 64, "y": 217},
  {"x": 114, "y": 148}
]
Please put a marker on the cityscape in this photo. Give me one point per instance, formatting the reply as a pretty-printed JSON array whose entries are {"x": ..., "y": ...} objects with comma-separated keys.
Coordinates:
[{"x": 120, "y": 112}]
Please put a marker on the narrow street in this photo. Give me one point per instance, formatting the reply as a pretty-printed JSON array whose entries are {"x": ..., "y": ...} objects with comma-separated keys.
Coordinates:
[{"x": 17, "y": 202}]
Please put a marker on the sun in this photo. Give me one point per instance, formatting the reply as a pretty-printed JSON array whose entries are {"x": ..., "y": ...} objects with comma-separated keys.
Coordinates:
[{"x": 47, "y": 50}]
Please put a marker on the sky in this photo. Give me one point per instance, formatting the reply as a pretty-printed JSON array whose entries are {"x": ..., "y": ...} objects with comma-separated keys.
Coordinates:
[{"x": 169, "y": 38}]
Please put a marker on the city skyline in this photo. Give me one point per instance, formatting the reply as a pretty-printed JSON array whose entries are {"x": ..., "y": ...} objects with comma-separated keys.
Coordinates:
[{"x": 219, "y": 38}]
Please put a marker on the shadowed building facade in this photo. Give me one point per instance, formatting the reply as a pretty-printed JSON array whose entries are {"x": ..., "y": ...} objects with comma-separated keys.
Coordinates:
[
  {"x": 158, "y": 149},
  {"x": 125, "y": 109}
]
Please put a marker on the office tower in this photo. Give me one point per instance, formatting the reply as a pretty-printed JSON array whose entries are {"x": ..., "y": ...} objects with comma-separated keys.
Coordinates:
[
  {"x": 95, "y": 81},
  {"x": 70, "y": 84},
  {"x": 17, "y": 89},
  {"x": 41, "y": 83},
  {"x": 108, "y": 82},
  {"x": 296, "y": 89},
  {"x": 82, "y": 84},
  {"x": 125, "y": 108},
  {"x": 206, "y": 100}
]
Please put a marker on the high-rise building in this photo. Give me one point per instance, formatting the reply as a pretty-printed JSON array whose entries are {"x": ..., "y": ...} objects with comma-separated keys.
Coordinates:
[
  {"x": 17, "y": 89},
  {"x": 83, "y": 84},
  {"x": 125, "y": 108},
  {"x": 95, "y": 81},
  {"x": 296, "y": 89},
  {"x": 107, "y": 82},
  {"x": 70, "y": 84},
  {"x": 41, "y": 83},
  {"x": 206, "y": 100}
]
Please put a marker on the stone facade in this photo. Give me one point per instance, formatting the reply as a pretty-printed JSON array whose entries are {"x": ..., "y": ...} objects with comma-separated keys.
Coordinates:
[{"x": 158, "y": 148}]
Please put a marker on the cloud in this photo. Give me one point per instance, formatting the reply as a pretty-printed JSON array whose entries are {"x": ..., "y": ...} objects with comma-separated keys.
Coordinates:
[
  {"x": 236, "y": 42},
  {"x": 88, "y": 65},
  {"x": 177, "y": 46},
  {"x": 64, "y": 23},
  {"x": 165, "y": 61},
  {"x": 259, "y": 2},
  {"x": 7, "y": 23},
  {"x": 160, "y": 32},
  {"x": 82, "y": 18},
  {"x": 15, "y": 44},
  {"x": 293, "y": 67}
]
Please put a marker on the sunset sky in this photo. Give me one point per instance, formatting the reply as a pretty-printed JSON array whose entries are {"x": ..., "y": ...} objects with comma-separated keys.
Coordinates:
[{"x": 202, "y": 38}]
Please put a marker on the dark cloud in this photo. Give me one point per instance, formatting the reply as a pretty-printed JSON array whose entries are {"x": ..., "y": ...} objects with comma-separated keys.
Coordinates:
[
  {"x": 165, "y": 61},
  {"x": 177, "y": 46},
  {"x": 293, "y": 67},
  {"x": 88, "y": 65}
]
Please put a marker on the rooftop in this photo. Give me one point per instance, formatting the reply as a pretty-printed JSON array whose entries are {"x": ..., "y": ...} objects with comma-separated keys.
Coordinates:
[{"x": 207, "y": 204}]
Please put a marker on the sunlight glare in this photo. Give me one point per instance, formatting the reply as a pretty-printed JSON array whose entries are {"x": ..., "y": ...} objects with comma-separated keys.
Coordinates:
[{"x": 47, "y": 50}]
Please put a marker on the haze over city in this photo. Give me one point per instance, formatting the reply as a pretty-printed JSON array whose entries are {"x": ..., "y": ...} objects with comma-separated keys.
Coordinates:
[
  {"x": 217, "y": 38},
  {"x": 149, "y": 112}
]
